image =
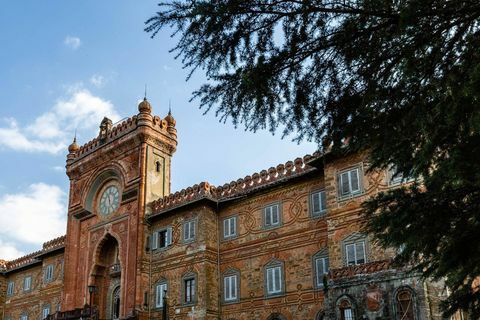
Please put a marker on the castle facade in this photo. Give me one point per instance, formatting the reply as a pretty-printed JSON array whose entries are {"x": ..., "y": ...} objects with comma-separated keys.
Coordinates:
[{"x": 284, "y": 243}]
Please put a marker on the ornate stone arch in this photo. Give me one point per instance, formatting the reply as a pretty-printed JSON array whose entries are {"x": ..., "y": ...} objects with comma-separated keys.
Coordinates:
[
  {"x": 343, "y": 303},
  {"x": 405, "y": 303},
  {"x": 276, "y": 316},
  {"x": 98, "y": 179}
]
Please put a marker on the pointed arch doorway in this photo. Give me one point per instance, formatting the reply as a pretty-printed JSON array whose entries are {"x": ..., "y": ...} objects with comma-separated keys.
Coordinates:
[{"x": 105, "y": 276}]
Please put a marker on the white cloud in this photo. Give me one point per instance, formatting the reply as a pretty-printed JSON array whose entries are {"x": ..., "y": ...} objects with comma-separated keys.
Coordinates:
[
  {"x": 39, "y": 215},
  {"x": 8, "y": 251},
  {"x": 12, "y": 137},
  {"x": 72, "y": 42},
  {"x": 52, "y": 131},
  {"x": 98, "y": 80}
]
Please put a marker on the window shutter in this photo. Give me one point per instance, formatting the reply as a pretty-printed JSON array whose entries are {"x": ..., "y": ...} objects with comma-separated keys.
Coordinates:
[
  {"x": 345, "y": 187},
  {"x": 350, "y": 249},
  {"x": 154, "y": 240},
  {"x": 169, "y": 236},
  {"x": 278, "y": 280},
  {"x": 323, "y": 201},
  {"x": 233, "y": 226},
  {"x": 186, "y": 235},
  {"x": 354, "y": 180},
  {"x": 360, "y": 252},
  {"x": 268, "y": 217},
  {"x": 316, "y": 203},
  {"x": 319, "y": 269},
  {"x": 275, "y": 215},
  {"x": 326, "y": 265},
  {"x": 227, "y": 288},
  {"x": 234, "y": 287},
  {"x": 269, "y": 280},
  {"x": 226, "y": 227},
  {"x": 192, "y": 229}
]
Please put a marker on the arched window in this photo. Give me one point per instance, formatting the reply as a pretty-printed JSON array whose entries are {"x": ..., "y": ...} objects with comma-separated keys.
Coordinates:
[
  {"x": 231, "y": 286},
  {"x": 355, "y": 249},
  {"x": 404, "y": 304},
  {"x": 161, "y": 289},
  {"x": 345, "y": 308}
]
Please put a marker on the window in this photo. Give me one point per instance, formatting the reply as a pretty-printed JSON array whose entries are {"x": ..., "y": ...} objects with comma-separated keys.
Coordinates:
[
  {"x": 160, "y": 290},
  {"x": 349, "y": 182},
  {"x": 321, "y": 269},
  {"x": 230, "y": 286},
  {"x": 162, "y": 238},
  {"x": 395, "y": 177},
  {"x": 318, "y": 203},
  {"x": 45, "y": 311},
  {"x": 48, "y": 273},
  {"x": 24, "y": 316},
  {"x": 189, "y": 230},
  {"x": 355, "y": 253},
  {"x": 271, "y": 216},
  {"x": 189, "y": 289},
  {"x": 27, "y": 283},
  {"x": 10, "y": 288},
  {"x": 230, "y": 227},
  {"x": 274, "y": 278},
  {"x": 404, "y": 304},
  {"x": 346, "y": 310}
]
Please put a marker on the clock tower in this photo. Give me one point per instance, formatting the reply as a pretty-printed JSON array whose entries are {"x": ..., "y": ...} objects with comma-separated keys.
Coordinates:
[{"x": 113, "y": 178}]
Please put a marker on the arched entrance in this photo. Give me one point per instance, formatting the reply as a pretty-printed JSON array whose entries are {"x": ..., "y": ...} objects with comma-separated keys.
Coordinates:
[
  {"x": 106, "y": 279},
  {"x": 116, "y": 303}
]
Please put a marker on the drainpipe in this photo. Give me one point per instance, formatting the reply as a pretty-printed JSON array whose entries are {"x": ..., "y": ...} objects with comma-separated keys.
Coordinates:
[{"x": 218, "y": 267}]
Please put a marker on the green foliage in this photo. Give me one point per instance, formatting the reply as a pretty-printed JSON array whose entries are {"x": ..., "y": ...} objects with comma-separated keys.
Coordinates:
[{"x": 400, "y": 78}]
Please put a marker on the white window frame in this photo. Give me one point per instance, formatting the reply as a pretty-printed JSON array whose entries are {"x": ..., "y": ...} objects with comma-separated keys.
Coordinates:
[
  {"x": 325, "y": 263},
  {"x": 321, "y": 197},
  {"x": 27, "y": 283},
  {"x": 347, "y": 314},
  {"x": 230, "y": 287},
  {"x": 395, "y": 180},
  {"x": 355, "y": 253},
  {"x": 11, "y": 288},
  {"x": 45, "y": 311},
  {"x": 159, "y": 294},
  {"x": 230, "y": 227},
  {"x": 24, "y": 316},
  {"x": 269, "y": 214},
  {"x": 189, "y": 230},
  {"x": 273, "y": 271},
  {"x": 351, "y": 191},
  {"x": 48, "y": 273},
  {"x": 156, "y": 238}
]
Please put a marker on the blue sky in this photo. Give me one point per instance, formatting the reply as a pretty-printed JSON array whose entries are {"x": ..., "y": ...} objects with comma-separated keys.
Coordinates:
[{"x": 66, "y": 64}]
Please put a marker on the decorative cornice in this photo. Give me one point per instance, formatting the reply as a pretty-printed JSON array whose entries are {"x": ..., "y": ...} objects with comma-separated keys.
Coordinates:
[
  {"x": 32, "y": 258},
  {"x": 361, "y": 269},
  {"x": 251, "y": 183}
]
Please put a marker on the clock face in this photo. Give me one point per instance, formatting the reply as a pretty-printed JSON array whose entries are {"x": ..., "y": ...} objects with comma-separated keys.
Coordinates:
[{"x": 110, "y": 200}]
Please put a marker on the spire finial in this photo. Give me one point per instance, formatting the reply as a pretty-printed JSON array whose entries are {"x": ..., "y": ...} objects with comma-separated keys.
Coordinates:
[
  {"x": 169, "y": 106},
  {"x": 75, "y": 136},
  {"x": 145, "y": 95},
  {"x": 73, "y": 147}
]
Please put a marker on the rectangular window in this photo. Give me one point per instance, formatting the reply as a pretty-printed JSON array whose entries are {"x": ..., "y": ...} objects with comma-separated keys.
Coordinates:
[
  {"x": 272, "y": 216},
  {"x": 189, "y": 230},
  {"x": 274, "y": 280},
  {"x": 318, "y": 203},
  {"x": 230, "y": 227},
  {"x": 189, "y": 289},
  {"x": 159, "y": 294},
  {"x": 230, "y": 287},
  {"x": 48, "y": 275},
  {"x": 347, "y": 314},
  {"x": 321, "y": 266},
  {"x": 10, "y": 288},
  {"x": 162, "y": 238},
  {"x": 45, "y": 312},
  {"x": 24, "y": 317},
  {"x": 355, "y": 253},
  {"x": 27, "y": 283},
  {"x": 349, "y": 182}
]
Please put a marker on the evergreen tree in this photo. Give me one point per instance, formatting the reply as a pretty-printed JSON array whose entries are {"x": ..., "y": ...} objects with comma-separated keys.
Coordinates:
[{"x": 399, "y": 78}]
